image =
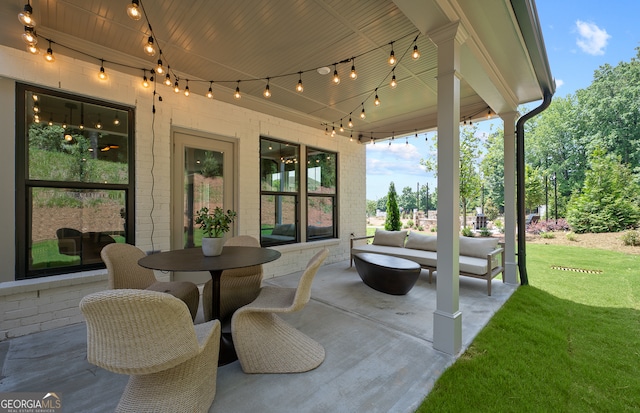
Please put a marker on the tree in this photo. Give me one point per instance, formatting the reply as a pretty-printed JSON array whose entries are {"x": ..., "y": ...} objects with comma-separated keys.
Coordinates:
[
  {"x": 407, "y": 200},
  {"x": 469, "y": 176},
  {"x": 371, "y": 208},
  {"x": 392, "y": 223},
  {"x": 609, "y": 199},
  {"x": 533, "y": 188},
  {"x": 492, "y": 167},
  {"x": 382, "y": 203}
]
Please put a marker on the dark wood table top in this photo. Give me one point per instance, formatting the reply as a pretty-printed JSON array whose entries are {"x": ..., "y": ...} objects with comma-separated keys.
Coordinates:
[{"x": 192, "y": 259}]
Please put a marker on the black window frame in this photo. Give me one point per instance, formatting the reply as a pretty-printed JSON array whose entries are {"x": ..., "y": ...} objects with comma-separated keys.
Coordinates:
[
  {"x": 23, "y": 184},
  {"x": 312, "y": 235}
]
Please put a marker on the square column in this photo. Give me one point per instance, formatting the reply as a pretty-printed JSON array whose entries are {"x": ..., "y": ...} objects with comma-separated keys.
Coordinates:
[
  {"x": 511, "y": 267},
  {"x": 447, "y": 319}
]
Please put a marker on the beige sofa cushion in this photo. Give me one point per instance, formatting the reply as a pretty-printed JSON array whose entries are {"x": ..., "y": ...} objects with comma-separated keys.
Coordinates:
[
  {"x": 477, "y": 247},
  {"x": 424, "y": 242},
  {"x": 389, "y": 238}
]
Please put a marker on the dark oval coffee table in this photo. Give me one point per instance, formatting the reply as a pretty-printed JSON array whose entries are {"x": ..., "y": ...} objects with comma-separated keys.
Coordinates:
[{"x": 387, "y": 274}]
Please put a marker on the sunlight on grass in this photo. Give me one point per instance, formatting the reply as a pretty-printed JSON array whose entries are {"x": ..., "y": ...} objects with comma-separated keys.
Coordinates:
[{"x": 568, "y": 342}]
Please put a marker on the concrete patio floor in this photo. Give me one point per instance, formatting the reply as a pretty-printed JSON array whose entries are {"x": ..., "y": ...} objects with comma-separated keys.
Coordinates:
[{"x": 379, "y": 353}]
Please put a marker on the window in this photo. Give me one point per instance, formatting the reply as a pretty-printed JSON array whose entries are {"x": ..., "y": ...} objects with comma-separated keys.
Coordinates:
[
  {"x": 321, "y": 194},
  {"x": 74, "y": 180},
  {"x": 279, "y": 193}
]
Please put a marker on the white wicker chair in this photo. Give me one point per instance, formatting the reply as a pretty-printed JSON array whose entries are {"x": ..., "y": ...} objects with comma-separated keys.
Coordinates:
[
  {"x": 149, "y": 335},
  {"x": 238, "y": 286},
  {"x": 124, "y": 272},
  {"x": 267, "y": 344}
]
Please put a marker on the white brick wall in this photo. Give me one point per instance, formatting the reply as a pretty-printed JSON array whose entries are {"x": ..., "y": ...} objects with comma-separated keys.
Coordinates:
[{"x": 34, "y": 305}]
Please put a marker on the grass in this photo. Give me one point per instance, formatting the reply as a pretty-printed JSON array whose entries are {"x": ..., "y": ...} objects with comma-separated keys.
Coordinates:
[{"x": 567, "y": 342}]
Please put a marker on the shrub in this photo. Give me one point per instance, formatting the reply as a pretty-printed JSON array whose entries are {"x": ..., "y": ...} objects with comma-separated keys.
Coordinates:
[
  {"x": 500, "y": 225},
  {"x": 420, "y": 228},
  {"x": 484, "y": 232},
  {"x": 409, "y": 224},
  {"x": 547, "y": 235},
  {"x": 548, "y": 226},
  {"x": 434, "y": 229},
  {"x": 571, "y": 236},
  {"x": 466, "y": 232},
  {"x": 392, "y": 222},
  {"x": 631, "y": 238}
]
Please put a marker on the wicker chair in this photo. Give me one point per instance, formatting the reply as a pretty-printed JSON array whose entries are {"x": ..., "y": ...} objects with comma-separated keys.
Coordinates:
[
  {"x": 238, "y": 286},
  {"x": 267, "y": 344},
  {"x": 124, "y": 272},
  {"x": 148, "y": 335}
]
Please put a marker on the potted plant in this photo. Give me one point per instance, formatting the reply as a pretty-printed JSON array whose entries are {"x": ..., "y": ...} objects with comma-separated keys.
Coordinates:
[{"x": 214, "y": 225}]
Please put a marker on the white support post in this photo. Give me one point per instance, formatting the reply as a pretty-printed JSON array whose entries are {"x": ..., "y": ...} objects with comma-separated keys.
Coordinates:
[
  {"x": 447, "y": 319},
  {"x": 511, "y": 267}
]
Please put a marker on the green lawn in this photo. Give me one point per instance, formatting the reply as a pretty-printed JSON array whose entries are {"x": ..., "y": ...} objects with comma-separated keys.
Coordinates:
[{"x": 568, "y": 342}]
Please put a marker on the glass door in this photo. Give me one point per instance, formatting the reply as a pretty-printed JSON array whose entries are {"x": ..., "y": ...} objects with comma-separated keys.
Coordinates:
[{"x": 202, "y": 176}]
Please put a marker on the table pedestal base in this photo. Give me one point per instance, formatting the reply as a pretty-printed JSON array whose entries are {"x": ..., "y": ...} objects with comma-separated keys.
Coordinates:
[{"x": 227, "y": 350}]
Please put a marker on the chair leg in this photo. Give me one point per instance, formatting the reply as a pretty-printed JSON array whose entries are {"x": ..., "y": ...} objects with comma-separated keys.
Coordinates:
[{"x": 267, "y": 344}]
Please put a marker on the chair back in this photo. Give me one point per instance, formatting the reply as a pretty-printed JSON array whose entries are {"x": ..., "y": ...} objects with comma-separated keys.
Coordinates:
[
  {"x": 303, "y": 292},
  {"x": 137, "y": 331},
  {"x": 122, "y": 265},
  {"x": 244, "y": 241}
]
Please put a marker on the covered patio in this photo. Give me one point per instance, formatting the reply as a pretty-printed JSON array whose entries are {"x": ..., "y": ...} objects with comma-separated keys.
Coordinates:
[{"x": 380, "y": 355}]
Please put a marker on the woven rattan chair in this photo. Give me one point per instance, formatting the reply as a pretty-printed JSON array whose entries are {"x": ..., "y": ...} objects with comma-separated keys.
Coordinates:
[
  {"x": 149, "y": 335},
  {"x": 124, "y": 272},
  {"x": 267, "y": 344},
  {"x": 238, "y": 286}
]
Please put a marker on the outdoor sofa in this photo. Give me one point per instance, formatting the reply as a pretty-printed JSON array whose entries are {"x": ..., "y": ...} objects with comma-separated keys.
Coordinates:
[{"x": 479, "y": 257}]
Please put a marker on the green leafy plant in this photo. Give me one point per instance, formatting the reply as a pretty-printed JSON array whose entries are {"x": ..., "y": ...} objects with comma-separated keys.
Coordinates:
[
  {"x": 631, "y": 238},
  {"x": 215, "y": 224},
  {"x": 466, "y": 232},
  {"x": 547, "y": 235},
  {"x": 571, "y": 236},
  {"x": 485, "y": 232}
]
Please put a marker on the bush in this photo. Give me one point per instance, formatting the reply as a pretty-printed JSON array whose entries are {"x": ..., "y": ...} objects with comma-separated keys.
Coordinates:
[
  {"x": 434, "y": 229},
  {"x": 466, "y": 232},
  {"x": 571, "y": 236},
  {"x": 631, "y": 238},
  {"x": 548, "y": 226},
  {"x": 547, "y": 235},
  {"x": 420, "y": 228},
  {"x": 500, "y": 225},
  {"x": 484, "y": 232},
  {"x": 409, "y": 224}
]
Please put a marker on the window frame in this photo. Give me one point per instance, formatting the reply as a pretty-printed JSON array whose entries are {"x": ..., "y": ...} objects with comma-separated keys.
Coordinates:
[
  {"x": 24, "y": 185},
  {"x": 334, "y": 197},
  {"x": 297, "y": 194}
]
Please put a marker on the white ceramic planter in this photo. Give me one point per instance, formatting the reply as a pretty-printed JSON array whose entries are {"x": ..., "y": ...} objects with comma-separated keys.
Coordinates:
[{"x": 212, "y": 247}]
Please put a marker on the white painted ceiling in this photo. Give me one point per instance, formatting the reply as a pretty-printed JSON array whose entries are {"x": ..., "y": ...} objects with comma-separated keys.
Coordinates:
[{"x": 252, "y": 40}]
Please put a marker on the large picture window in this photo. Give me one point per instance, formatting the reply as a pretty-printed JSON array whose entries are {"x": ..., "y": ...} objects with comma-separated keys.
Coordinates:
[
  {"x": 321, "y": 194},
  {"x": 279, "y": 192},
  {"x": 74, "y": 180}
]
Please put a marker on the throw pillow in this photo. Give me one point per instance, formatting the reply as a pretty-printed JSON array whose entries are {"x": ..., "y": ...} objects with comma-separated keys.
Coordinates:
[
  {"x": 477, "y": 247},
  {"x": 424, "y": 242},
  {"x": 389, "y": 238}
]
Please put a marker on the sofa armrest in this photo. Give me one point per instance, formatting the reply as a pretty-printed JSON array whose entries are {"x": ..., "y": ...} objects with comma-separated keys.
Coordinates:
[
  {"x": 351, "y": 247},
  {"x": 491, "y": 256}
]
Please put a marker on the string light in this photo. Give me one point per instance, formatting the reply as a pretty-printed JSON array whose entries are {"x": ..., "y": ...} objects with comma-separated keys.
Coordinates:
[
  {"x": 33, "y": 49},
  {"x": 267, "y": 91},
  {"x": 133, "y": 10},
  {"x": 64, "y": 123},
  {"x": 150, "y": 48},
  {"x": 102, "y": 75},
  {"x": 299, "y": 87},
  {"x": 186, "y": 89},
  {"x": 210, "y": 92},
  {"x": 351, "y": 137},
  {"x": 49, "y": 57},
  {"x": 336, "y": 78},
  {"x": 393, "y": 82},
  {"x": 489, "y": 114},
  {"x": 159, "y": 68},
  {"x": 392, "y": 57},
  {"x": 333, "y": 131},
  {"x": 167, "y": 79},
  {"x": 25, "y": 16},
  {"x": 376, "y": 101},
  {"x": 176, "y": 86},
  {"x": 50, "y": 123},
  {"x": 145, "y": 81},
  {"x": 29, "y": 36},
  {"x": 416, "y": 53},
  {"x": 237, "y": 95},
  {"x": 362, "y": 114},
  {"x": 116, "y": 121},
  {"x": 350, "y": 123},
  {"x": 353, "y": 74},
  {"x": 341, "y": 128},
  {"x": 99, "y": 124}
]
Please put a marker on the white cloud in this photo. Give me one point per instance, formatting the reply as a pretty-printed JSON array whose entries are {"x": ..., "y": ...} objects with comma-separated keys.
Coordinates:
[
  {"x": 559, "y": 83},
  {"x": 591, "y": 39},
  {"x": 395, "y": 159}
]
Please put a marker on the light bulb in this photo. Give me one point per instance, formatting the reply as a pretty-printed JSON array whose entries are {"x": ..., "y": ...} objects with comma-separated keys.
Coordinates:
[
  {"x": 353, "y": 74},
  {"x": 186, "y": 90},
  {"x": 176, "y": 87},
  {"x": 159, "y": 68},
  {"x": 64, "y": 124},
  {"x": 102, "y": 75},
  {"x": 25, "y": 16},
  {"x": 33, "y": 49},
  {"x": 81, "y": 126},
  {"x": 299, "y": 87},
  {"x": 341, "y": 128},
  {"x": 50, "y": 123},
  {"x": 150, "y": 48},
  {"x": 333, "y": 131},
  {"x": 336, "y": 78},
  {"x": 99, "y": 124},
  {"x": 237, "y": 94},
  {"x": 36, "y": 108},
  {"x": 167, "y": 80},
  {"x": 350, "y": 124},
  {"x": 36, "y": 118},
  {"x": 267, "y": 92},
  {"x": 362, "y": 114},
  {"x": 393, "y": 83},
  {"x": 133, "y": 10},
  {"x": 416, "y": 53},
  {"x": 116, "y": 121},
  {"x": 210, "y": 93},
  {"x": 376, "y": 101},
  {"x": 49, "y": 57},
  {"x": 145, "y": 81},
  {"x": 392, "y": 58},
  {"x": 29, "y": 37}
]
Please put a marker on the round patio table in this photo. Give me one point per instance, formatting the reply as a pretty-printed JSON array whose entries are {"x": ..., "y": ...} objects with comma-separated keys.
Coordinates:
[{"x": 192, "y": 259}]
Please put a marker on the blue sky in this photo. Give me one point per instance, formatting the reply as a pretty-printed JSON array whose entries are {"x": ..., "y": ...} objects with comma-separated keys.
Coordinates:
[{"x": 580, "y": 36}]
